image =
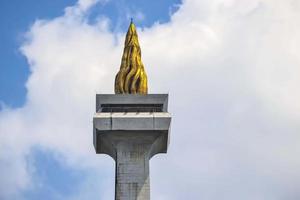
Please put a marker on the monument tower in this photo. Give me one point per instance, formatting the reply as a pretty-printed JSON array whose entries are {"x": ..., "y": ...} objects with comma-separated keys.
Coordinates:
[{"x": 131, "y": 125}]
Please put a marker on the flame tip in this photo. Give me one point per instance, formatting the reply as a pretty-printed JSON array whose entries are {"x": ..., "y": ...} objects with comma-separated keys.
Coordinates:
[{"x": 132, "y": 78}]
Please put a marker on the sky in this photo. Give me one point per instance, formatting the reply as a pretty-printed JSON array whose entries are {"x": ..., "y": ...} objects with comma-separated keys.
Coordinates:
[{"x": 231, "y": 69}]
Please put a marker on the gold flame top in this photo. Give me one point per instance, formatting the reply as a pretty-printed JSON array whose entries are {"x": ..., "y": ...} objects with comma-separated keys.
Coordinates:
[{"x": 131, "y": 78}]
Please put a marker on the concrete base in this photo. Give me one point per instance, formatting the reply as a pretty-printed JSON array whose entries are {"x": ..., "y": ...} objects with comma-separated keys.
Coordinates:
[{"x": 131, "y": 139}]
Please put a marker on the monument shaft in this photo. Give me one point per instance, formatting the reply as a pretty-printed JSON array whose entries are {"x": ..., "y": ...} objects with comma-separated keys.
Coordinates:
[
  {"x": 132, "y": 167},
  {"x": 131, "y": 129}
]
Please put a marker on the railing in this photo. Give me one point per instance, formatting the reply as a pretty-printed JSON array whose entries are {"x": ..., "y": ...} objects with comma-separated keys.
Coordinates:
[{"x": 131, "y": 108}]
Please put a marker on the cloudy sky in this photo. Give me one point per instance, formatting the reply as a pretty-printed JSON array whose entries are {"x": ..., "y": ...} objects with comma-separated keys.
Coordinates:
[{"x": 232, "y": 71}]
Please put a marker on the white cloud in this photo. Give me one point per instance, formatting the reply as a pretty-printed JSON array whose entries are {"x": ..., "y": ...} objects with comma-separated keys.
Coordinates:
[
  {"x": 86, "y": 4},
  {"x": 232, "y": 70}
]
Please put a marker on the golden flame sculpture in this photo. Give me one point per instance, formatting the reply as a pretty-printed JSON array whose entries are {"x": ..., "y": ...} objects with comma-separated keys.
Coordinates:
[{"x": 131, "y": 78}]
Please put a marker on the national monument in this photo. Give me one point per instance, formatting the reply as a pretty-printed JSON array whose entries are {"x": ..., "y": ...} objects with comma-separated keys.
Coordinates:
[{"x": 131, "y": 125}]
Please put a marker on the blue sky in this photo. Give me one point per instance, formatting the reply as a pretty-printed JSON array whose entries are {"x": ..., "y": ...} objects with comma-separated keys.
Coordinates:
[
  {"x": 17, "y": 17},
  {"x": 231, "y": 68}
]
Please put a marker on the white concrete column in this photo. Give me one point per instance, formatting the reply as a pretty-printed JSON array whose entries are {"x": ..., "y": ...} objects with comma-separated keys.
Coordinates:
[
  {"x": 132, "y": 171},
  {"x": 131, "y": 129}
]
